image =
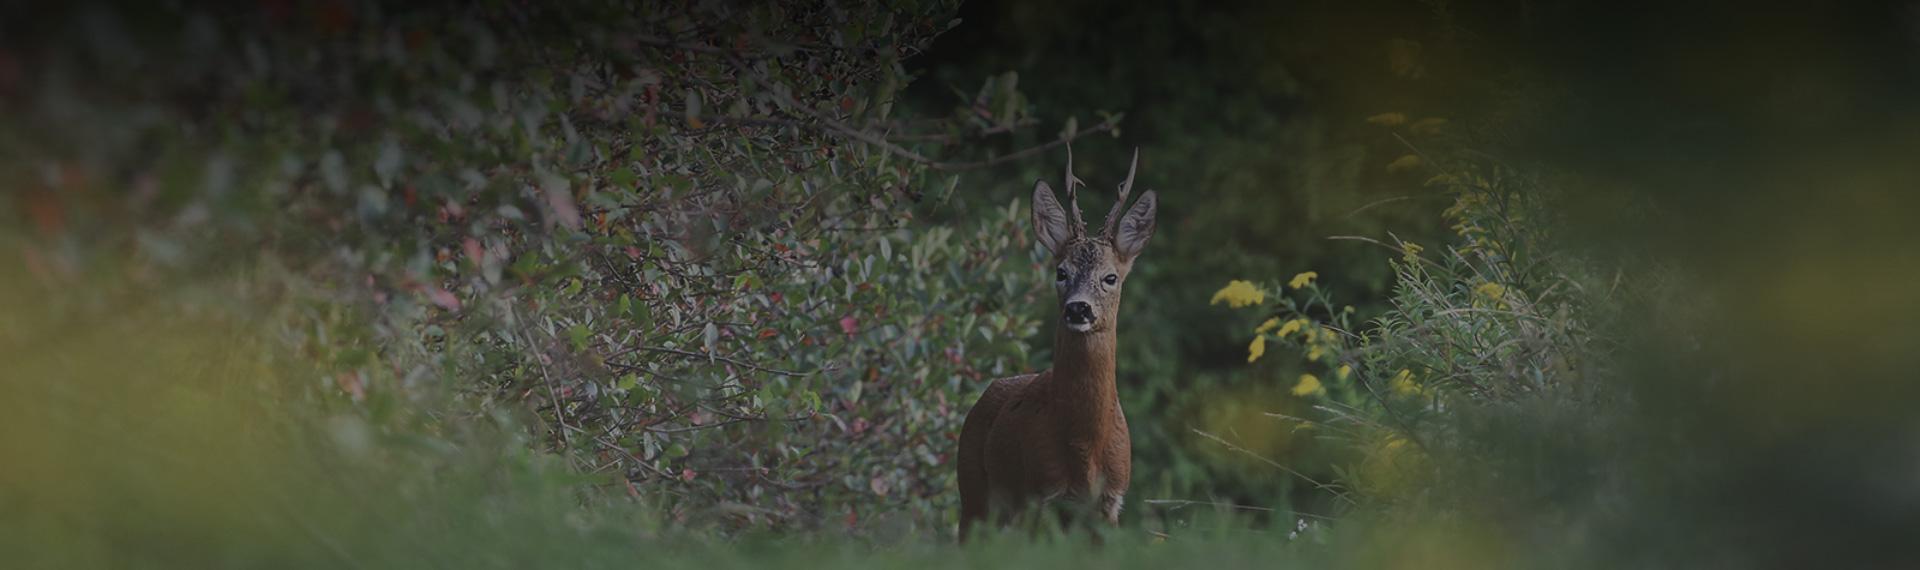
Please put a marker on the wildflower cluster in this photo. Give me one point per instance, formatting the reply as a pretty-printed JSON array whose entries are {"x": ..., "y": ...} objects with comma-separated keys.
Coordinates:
[{"x": 1468, "y": 320}]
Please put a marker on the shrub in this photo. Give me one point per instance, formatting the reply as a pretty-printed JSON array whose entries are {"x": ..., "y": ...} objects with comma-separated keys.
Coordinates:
[
  {"x": 675, "y": 242},
  {"x": 1501, "y": 317}
]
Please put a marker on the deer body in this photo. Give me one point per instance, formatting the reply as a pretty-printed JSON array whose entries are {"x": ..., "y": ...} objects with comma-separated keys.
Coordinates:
[{"x": 1059, "y": 435}]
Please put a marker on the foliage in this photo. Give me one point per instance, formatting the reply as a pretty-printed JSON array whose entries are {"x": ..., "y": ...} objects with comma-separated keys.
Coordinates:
[
  {"x": 1254, "y": 142},
  {"x": 678, "y": 241},
  {"x": 333, "y": 283},
  {"x": 1491, "y": 319}
]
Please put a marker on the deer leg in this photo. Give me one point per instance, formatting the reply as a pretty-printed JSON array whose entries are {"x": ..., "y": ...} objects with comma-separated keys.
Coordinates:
[{"x": 1110, "y": 504}]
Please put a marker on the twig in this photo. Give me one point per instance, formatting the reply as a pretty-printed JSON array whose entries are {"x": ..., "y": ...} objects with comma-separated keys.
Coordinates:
[
  {"x": 1104, "y": 126},
  {"x": 1424, "y": 157},
  {"x": 869, "y": 137},
  {"x": 1357, "y": 211},
  {"x": 1323, "y": 486},
  {"x": 861, "y": 135},
  {"x": 559, "y": 406},
  {"x": 729, "y": 360},
  {"x": 1396, "y": 249},
  {"x": 1183, "y": 503}
]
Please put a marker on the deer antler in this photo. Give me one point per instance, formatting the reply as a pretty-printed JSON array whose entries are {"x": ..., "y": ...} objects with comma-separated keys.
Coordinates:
[
  {"x": 1120, "y": 205},
  {"x": 1073, "y": 197}
]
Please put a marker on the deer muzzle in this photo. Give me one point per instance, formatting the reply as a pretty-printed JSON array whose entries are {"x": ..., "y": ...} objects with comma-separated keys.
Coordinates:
[{"x": 1079, "y": 316}]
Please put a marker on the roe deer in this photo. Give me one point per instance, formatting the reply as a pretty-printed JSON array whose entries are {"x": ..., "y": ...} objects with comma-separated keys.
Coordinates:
[{"x": 1060, "y": 433}]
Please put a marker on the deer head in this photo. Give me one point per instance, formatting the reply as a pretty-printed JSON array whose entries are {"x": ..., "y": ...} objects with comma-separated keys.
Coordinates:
[{"x": 1090, "y": 270}]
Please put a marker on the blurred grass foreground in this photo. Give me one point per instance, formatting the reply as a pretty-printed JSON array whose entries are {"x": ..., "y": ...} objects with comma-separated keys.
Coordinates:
[{"x": 351, "y": 284}]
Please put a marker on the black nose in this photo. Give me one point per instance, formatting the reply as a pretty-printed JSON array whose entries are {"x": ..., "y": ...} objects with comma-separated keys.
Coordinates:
[{"x": 1079, "y": 312}]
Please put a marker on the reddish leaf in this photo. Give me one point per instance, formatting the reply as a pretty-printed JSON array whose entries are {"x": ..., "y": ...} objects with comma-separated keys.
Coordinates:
[
  {"x": 475, "y": 252},
  {"x": 768, "y": 333},
  {"x": 352, "y": 384},
  {"x": 443, "y": 298}
]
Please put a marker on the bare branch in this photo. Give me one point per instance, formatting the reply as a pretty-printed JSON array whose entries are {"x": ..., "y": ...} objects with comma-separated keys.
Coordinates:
[
  {"x": 1244, "y": 451},
  {"x": 1105, "y": 126},
  {"x": 728, "y": 360}
]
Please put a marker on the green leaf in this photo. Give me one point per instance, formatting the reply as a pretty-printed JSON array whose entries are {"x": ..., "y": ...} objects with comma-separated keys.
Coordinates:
[
  {"x": 579, "y": 335},
  {"x": 527, "y": 266},
  {"x": 641, "y": 315},
  {"x": 624, "y": 178}
]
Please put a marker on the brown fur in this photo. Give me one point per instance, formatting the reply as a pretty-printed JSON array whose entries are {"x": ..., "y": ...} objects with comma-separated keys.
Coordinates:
[{"x": 1060, "y": 435}]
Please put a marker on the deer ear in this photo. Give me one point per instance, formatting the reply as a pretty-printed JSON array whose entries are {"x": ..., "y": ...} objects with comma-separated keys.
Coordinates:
[
  {"x": 1049, "y": 219},
  {"x": 1135, "y": 228}
]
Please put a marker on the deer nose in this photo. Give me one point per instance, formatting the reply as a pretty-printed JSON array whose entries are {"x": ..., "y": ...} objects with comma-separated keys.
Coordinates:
[{"x": 1079, "y": 312}]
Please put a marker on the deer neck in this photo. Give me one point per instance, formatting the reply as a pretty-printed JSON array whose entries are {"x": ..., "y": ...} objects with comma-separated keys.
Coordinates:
[{"x": 1083, "y": 372}]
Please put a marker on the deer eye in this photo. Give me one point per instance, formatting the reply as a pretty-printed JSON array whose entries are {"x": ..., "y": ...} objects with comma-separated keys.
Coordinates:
[
  {"x": 1110, "y": 279},
  {"x": 1060, "y": 275}
]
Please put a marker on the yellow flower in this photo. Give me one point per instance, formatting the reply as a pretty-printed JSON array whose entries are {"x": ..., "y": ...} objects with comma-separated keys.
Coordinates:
[
  {"x": 1491, "y": 290},
  {"x": 1291, "y": 327},
  {"x": 1403, "y": 383},
  {"x": 1238, "y": 294},
  {"x": 1308, "y": 386},
  {"x": 1343, "y": 372},
  {"x": 1408, "y": 162},
  {"x": 1388, "y": 119},
  {"x": 1314, "y": 352},
  {"x": 1256, "y": 349},
  {"x": 1267, "y": 326},
  {"x": 1411, "y": 249},
  {"x": 1303, "y": 279}
]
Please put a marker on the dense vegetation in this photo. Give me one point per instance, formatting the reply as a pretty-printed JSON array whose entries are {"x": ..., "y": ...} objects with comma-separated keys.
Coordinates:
[{"x": 587, "y": 284}]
